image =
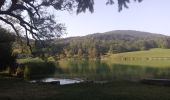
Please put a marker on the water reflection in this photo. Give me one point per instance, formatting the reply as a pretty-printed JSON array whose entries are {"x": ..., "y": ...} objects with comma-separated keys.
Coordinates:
[
  {"x": 57, "y": 81},
  {"x": 99, "y": 70}
]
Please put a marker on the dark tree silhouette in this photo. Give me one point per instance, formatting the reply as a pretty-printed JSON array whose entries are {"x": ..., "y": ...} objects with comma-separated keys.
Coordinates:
[
  {"x": 7, "y": 59},
  {"x": 34, "y": 17}
]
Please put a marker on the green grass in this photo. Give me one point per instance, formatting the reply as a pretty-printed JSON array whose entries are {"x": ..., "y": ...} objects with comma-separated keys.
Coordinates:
[
  {"x": 158, "y": 52},
  {"x": 16, "y": 89},
  {"x": 141, "y": 58}
]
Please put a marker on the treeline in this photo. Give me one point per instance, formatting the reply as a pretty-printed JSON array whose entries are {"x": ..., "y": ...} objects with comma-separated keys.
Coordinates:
[{"x": 95, "y": 45}]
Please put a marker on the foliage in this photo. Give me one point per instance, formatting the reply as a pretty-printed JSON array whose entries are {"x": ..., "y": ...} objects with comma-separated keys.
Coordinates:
[
  {"x": 95, "y": 45},
  {"x": 27, "y": 60},
  {"x": 51, "y": 59},
  {"x": 19, "y": 71},
  {"x": 31, "y": 68},
  {"x": 38, "y": 69},
  {"x": 7, "y": 58}
]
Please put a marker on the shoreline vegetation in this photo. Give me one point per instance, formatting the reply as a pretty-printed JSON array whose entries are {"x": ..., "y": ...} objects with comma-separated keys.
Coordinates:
[
  {"x": 13, "y": 88},
  {"x": 30, "y": 68}
]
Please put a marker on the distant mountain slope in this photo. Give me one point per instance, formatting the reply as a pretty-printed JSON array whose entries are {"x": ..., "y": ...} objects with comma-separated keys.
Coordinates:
[
  {"x": 112, "y": 41},
  {"x": 115, "y": 35},
  {"x": 124, "y": 35}
]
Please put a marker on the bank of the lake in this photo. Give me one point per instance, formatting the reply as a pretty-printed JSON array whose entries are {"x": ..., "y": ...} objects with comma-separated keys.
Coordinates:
[
  {"x": 115, "y": 72},
  {"x": 17, "y": 89},
  {"x": 154, "y": 63}
]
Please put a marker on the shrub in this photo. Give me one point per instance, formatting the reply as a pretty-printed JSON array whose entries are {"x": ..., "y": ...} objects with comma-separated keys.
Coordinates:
[
  {"x": 34, "y": 70},
  {"x": 19, "y": 72},
  {"x": 29, "y": 60},
  {"x": 51, "y": 59}
]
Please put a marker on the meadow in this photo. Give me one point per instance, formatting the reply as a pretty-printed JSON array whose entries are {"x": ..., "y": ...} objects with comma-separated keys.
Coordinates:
[
  {"x": 154, "y": 58},
  {"x": 157, "y": 52}
]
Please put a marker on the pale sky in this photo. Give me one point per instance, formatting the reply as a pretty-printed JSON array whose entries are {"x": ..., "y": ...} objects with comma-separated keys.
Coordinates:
[{"x": 150, "y": 16}]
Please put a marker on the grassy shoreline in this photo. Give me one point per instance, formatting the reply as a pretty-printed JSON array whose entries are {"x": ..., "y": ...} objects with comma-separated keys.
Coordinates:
[{"x": 17, "y": 89}]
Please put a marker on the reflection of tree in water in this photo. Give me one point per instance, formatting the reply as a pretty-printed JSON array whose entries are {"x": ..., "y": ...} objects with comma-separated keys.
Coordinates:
[{"x": 98, "y": 70}]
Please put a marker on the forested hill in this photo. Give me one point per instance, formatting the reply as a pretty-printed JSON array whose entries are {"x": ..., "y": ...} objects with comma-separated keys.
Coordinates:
[
  {"x": 112, "y": 42},
  {"x": 124, "y": 35}
]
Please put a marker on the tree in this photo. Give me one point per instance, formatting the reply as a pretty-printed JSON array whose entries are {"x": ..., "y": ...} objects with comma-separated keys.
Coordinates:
[
  {"x": 93, "y": 53},
  {"x": 80, "y": 53},
  {"x": 164, "y": 42},
  {"x": 7, "y": 59},
  {"x": 33, "y": 16}
]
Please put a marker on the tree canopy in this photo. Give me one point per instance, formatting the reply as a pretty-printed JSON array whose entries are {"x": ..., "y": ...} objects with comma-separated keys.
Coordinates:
[
  {"x": 98, "y": 44},
  {"x": 32, "y": 17}
]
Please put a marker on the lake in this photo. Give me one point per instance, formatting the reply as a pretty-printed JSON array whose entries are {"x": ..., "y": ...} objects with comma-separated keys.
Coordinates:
[{"x": 110, "y": 70}]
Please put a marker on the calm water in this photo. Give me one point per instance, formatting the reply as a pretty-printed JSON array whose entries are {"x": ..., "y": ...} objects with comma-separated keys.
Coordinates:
[
  {"x": 62, "y": 81},
  {"x": 109, "y": 70}
]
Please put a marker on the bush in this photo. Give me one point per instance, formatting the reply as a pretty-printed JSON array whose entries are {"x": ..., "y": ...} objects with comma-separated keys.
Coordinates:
[
  {"x": 29, "y": 60},
  {"x": 36, "y": 70},
  {"x": 19, "y": 72},
  {"x": 51, "y": 59}
]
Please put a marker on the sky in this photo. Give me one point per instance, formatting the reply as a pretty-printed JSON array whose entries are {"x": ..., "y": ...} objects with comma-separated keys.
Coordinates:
[{"x": 149, "y": 16}]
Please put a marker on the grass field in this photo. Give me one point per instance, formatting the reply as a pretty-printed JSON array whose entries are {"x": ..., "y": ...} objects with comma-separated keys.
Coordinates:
[
  {"x": 16, "y": 89},
  {"x": 158, "y": 52},
  {"x": 153, "y": 58}
]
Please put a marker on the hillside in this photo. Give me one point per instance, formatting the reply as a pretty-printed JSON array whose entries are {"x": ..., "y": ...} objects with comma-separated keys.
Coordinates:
[
  {"x": 109, "y": 42},
  {"x": 124, "y": 35}
]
